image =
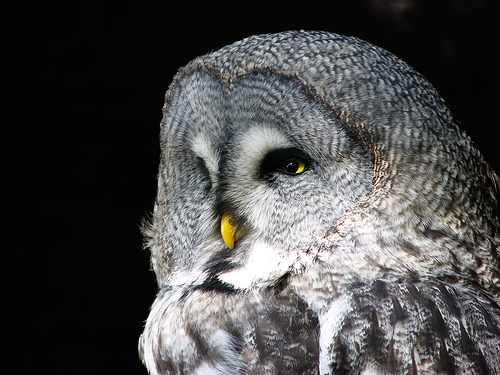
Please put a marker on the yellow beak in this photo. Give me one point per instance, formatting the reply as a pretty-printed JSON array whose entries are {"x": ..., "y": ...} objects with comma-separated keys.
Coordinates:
[{"x": 229, "y": 230}]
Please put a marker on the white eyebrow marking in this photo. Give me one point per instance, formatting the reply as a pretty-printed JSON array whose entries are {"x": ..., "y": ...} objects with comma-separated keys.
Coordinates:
[
  {"x": 257, "y": 142},
  {"x": 205, "y": 150}
]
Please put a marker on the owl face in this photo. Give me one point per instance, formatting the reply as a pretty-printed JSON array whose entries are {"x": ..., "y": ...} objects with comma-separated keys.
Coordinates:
[{"x": 255, "y": 170}]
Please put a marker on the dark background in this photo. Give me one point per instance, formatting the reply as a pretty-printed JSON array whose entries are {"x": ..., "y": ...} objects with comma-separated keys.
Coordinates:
[{"x": 96, "y": 73}]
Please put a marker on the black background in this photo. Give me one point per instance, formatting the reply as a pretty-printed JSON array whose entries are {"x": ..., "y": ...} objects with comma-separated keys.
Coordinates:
[{"x": 91, "y": 87}]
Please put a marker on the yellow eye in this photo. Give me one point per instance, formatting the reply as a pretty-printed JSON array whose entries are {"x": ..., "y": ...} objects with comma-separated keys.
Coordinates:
[{"x": 293, "y": 166}]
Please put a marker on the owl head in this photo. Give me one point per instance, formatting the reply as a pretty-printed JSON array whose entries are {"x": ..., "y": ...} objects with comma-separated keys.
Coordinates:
[{"x": 277, "y": 144}]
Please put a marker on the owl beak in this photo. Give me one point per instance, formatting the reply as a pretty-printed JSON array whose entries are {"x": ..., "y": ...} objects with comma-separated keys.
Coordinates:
[{"x": 230, "y": 230}]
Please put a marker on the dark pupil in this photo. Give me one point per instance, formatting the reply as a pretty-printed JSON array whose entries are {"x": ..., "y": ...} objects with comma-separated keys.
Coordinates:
[{"x": 291, "y": 166}]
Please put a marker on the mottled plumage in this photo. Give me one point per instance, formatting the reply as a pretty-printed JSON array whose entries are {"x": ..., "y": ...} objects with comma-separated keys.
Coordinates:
[{"x": 366, "y": 223}]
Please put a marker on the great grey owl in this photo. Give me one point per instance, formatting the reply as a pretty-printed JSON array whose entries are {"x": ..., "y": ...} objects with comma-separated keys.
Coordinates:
[{"x": 319, "y": 211}]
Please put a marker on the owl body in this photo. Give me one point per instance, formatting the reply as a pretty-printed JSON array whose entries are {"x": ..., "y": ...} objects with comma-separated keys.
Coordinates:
[{"x": 319, "y": 212}]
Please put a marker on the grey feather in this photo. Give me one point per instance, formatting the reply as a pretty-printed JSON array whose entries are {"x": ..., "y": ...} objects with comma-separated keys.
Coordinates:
[{"x": 382, "y": 256}]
